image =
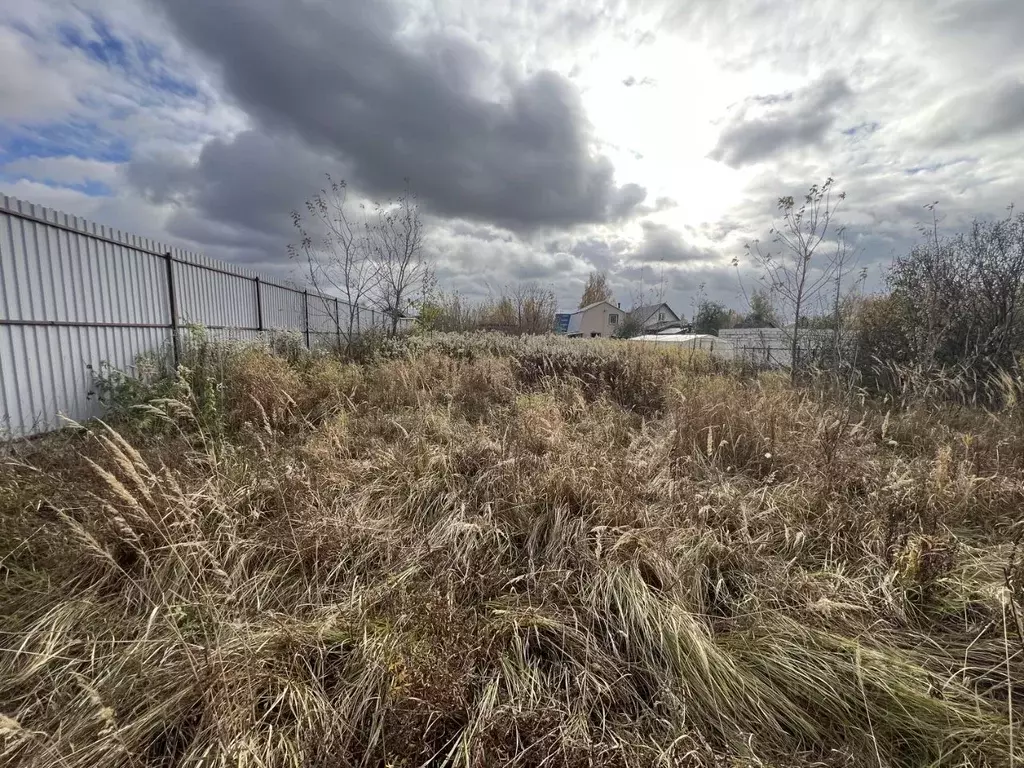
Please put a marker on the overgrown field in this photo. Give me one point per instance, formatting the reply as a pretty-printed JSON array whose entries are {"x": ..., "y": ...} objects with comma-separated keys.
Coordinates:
[{"x": 478, "y": 551}]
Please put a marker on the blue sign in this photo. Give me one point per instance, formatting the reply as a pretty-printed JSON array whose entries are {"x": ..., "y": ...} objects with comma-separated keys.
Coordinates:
[{"x": 562, "y": 322}]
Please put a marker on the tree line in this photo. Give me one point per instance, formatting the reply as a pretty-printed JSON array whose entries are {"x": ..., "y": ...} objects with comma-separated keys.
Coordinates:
[{"x": 951, "y": 300}]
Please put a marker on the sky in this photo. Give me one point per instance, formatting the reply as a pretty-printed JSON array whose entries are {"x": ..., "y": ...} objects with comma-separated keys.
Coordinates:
[{"x": 543, "y": 139}]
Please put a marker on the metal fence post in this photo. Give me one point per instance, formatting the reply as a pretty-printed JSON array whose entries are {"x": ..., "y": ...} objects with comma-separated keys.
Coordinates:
[
  {"x": 173, "y": 306},
  {"x": 259, "y": 307},
  {"x": 305, "y": 309}
]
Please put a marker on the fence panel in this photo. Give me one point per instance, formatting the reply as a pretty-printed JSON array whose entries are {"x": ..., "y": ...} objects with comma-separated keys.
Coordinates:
[
  {"x": 76, "y": 296},
  {"x": 772, "y": 347},
  {"x": 282, "y": 308},
  {"x": 214, "y": 299}
]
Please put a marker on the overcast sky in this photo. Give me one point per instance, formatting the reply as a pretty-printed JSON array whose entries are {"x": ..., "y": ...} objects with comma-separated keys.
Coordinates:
[{"x": 544, "y": 138}]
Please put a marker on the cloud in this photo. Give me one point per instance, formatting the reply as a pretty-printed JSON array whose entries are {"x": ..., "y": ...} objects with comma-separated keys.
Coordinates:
[
  {"x": 40, "y": 97},
  {"x": 763, "y": 126},
  {"x": 661, "y": 204},
  {"x": 626, "y": 200},
  {"x": 206, "y": 124},
  {"x": 480, "y": 260},
  {"x": 99, "y": 87},
  {"x": 993, "y": 110},
  {"x": 137, "y": 60},
  {"x": 239, "y": 193},
  {"x": 603, "y": 254},
  {"x": 349, "y": 80},
  {"x": 664, "y": 245},
  {"x": 92, "y": 177}
]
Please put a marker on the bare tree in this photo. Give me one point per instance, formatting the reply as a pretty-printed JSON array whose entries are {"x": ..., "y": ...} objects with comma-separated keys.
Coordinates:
[
  {"x": 535, "y": 308},
  {"x": 338, "y": 257},
  {"x": 838, "y": 306},
  {"x": 396, "y": 242},
  {"x": 642, "y": 296},
  {"x": 501, "y": 314},
  {"x": 441, "y": 311},
  {"x": 797, "y": 274},
  {"x": 645, "y": 294}
]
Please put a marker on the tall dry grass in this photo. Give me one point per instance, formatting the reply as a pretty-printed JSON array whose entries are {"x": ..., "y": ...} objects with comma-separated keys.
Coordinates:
[{"x": 472, "y": 551}]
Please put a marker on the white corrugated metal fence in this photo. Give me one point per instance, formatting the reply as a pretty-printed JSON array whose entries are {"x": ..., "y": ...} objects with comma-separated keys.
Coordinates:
[{"x": 75, "y": 295}]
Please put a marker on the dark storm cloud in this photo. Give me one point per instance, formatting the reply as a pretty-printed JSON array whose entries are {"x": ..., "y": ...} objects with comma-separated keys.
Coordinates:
[
  {"x": 349, "y": 80},
  {"x": 625, "y": 200},
  {"x": 667, "y": 246},
  {"x": 239, "y": 193},
  {"x": 600, "y": 253},
  {"x": 763, "y": 126}
]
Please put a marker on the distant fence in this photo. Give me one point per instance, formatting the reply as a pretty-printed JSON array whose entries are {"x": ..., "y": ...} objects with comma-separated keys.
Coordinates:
[
  {"x": 75, "y": 294},
  {"x": 772, "y": 347}
]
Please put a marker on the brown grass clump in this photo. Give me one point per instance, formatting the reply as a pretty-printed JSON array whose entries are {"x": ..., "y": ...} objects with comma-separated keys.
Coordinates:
[
  {"x": 473, "y": 551},
  {"x": 261, "y": 388}
]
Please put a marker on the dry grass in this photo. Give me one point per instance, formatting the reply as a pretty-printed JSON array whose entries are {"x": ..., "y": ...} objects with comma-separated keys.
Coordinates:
[{"x": 484, "y": 552}]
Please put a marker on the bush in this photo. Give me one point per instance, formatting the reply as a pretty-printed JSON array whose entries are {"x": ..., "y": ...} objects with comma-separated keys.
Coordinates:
[{"x": 953, "y": 302}]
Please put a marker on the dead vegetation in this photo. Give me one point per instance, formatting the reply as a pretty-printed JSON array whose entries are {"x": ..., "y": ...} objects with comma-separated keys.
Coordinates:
[{"x": 481, "y": 551}]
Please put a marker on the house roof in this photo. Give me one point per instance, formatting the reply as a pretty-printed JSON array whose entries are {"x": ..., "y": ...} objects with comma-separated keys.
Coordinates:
[
  {"x": 591, "y": 306},
  {"x": 645, "y": 312}
]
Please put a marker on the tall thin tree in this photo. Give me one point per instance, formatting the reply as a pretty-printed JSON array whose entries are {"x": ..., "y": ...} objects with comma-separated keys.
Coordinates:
[
  {"x": 396, "y": 240},
  {"x": 337, "y": 257},
  {"x": 796, "y": 272}
]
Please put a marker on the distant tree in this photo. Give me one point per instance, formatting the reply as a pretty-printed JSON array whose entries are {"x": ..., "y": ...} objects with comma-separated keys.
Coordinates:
[
  {"x": 882, "y": 328},
  {"x": 431, "y": 316},
  {"x": 818, "y": 322},
  {"x": 629, "y": 327},
  {"x": 643, "y": 294},
  {"x": 442, "y": 311},
  {"x": 711, "y": 317},
  {"x": 502, "y": 314},
  {"x": 396, "y": 241},
  {"x": 796, "y": 272},
  {"x": 535, "y": 308},
  {"x": 762, "y": 313},
  {"x": 964, "y": 295},
  {"x": 338, "y": 256},
  {"x": 596, "y": 289}
]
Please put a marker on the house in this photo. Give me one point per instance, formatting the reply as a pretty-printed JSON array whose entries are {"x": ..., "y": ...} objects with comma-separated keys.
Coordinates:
[
  {"x": 600, "y": 319},
  {"x": 655, "y": 317}
]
